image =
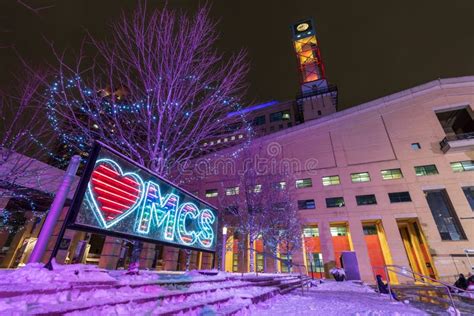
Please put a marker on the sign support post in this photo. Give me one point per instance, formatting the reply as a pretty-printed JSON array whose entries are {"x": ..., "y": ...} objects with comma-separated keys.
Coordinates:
[{"x": 55, "y": 212}]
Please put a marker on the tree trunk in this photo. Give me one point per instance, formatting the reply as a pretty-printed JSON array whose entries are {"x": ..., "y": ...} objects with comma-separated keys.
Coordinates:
[
  {"x": 251, "y": 257},
  {"x": 134, "y": 265},
  {"x": 188, "y": 259}
]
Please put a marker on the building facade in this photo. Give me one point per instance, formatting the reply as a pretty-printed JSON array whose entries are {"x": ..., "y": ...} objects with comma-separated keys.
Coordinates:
[{"x": 392, "y": 180}]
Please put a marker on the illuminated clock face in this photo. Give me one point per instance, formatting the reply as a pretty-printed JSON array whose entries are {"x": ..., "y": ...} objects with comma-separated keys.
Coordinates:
[{"x": 302, "y": 27}]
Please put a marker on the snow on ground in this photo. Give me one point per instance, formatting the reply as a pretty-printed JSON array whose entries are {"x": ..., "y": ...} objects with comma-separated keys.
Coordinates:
[
  {"x": 333, "y": 298},
  {"x": 83, "y": 286}
]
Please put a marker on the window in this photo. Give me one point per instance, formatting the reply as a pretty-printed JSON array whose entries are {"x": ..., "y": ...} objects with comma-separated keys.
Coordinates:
[
  {"x": 285, "y": 263},
  {"x": 259, "y": 120},
  {"x": 260, "y": 262},
  {"x": 397, "y": 197},
  {"x": 319, "y": 112},
  {"x": 257, "y": 188},
  {"x": 415, "y": 146},
  {"x": 279, "y": 116},
  {"x": 426, "y": 170},
  {"x": 335, "y": 202},
  {"x": 331, "y": 180},
  {"x": 391, "y": 174},
  {"x": 232, "y": 191},
  {"x": 304, "y": 183},
  {"x": 460, "y": 166},
  {"x": 338, "y": 231},
  {"x": 444, "y": 215},
  {"x": 360, "y": 177},
  {"x": 370, "y": 230},
  {"x": 306, "y": 204},
  {"x": 235, "y": 262},
  {"x": 280, "y": 185},
  {"x": 314, "y": 261},
  {"x": 469, "y": 193},
  {"x": 368, "y": 199},
  {"x": 211, "y": 193},
  {"x": 311, "y": 231}
]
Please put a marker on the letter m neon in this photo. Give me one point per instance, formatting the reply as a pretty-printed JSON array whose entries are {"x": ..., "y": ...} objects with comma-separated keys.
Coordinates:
[{"x": 161, "y": 210}]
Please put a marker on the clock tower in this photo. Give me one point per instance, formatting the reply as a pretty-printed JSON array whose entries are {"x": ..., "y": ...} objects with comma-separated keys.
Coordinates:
[{"x": 317, "y": 98}]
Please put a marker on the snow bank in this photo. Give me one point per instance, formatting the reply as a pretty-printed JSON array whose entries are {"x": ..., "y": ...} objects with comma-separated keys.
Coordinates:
[{"x": 74, "y": 273}]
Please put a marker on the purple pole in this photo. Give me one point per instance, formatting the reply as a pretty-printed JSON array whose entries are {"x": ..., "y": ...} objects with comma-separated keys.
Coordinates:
[{"x": 55, "y": 211}]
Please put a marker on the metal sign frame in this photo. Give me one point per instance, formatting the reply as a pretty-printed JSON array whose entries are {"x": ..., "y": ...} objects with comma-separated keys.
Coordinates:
[{"x": 80, "y": 194}]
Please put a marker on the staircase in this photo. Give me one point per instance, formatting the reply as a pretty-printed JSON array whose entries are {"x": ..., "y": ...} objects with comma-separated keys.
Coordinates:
[{"x": 226, "y": 296}]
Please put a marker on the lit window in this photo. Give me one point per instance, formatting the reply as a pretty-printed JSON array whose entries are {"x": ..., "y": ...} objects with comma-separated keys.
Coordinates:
[
  {"x": 460, "y": 166},
  {"x": 311, "y": 231},
  {"x": 280, "y": 185},
  {"x": 232, "y": 138},
  {"x": 338, "y": 231},
  {"x": 426, "y": 170},
  {"x": 398, "y": 197},
  {"x": 205, "y": 144},
  {"x": 335, "y": 202},
  {"x": 415, "y": 146},
  {"x": 368, "y": 199},
  {"x": 226, "y": 140},
  {"x": 212, "y": 143},
  {"x": 232, "y": 191},
  {"x": 360, "y": 177},
  {"x": 306, "y": 204},
  {"x": 257, "y": 188},
  {"x": 241, "y": 136},
  {"x": 279, "y": 116},
  {"x": 391, "y": 174},
  {"x": 331, "y": 180},
  {"x": 304, "y": 183},
  {"x": 218, "y": 141},
  {"x": 211, "y": 193}
]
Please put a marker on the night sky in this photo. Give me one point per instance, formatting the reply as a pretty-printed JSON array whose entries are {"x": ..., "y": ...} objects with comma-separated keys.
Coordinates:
[{"x": 370, "y": 48}]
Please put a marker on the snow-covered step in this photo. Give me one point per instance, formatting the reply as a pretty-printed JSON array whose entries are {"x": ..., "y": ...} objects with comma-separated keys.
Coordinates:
[{"x": 67, "y": 304}]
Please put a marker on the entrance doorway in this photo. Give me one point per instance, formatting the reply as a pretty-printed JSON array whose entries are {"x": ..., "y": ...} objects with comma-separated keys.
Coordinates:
[{"x": 416, "y": 247}]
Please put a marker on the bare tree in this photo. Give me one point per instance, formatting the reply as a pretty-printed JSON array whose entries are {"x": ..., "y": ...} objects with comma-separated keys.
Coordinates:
[
  {"x": 21, "y": 123},
  {"x": 157, "y": 90},
  {"x": 262, "y": 207},
  {"x": 21, "y": 127}
]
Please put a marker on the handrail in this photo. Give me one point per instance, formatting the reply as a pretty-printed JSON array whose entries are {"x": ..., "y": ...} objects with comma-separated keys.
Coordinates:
[
  {"x": 405, "y": 271},
  {"x": 290, "y": 265}
]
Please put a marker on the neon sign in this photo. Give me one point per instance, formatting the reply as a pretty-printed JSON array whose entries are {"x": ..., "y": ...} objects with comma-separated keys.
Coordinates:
[{"x": 117, "y": 197}]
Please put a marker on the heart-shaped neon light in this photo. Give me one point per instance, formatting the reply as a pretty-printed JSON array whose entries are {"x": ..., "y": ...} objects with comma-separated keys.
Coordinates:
[{"x": 113, "y": 194}]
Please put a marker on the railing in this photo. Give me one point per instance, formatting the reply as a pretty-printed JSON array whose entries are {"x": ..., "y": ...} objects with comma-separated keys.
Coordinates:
[
  {"x": 289, "y": 263},
  {"x": 455, "y": 137},
  {"x": 417, "y": 277}
]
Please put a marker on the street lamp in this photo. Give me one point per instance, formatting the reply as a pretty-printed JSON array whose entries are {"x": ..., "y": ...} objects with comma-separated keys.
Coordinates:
[{"x": 224, "y": 241}]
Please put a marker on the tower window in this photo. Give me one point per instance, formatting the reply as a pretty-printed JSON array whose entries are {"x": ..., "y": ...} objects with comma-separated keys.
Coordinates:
[
  {"x": 415, "y": 146},
  {"x": 232, "y": 191}
]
